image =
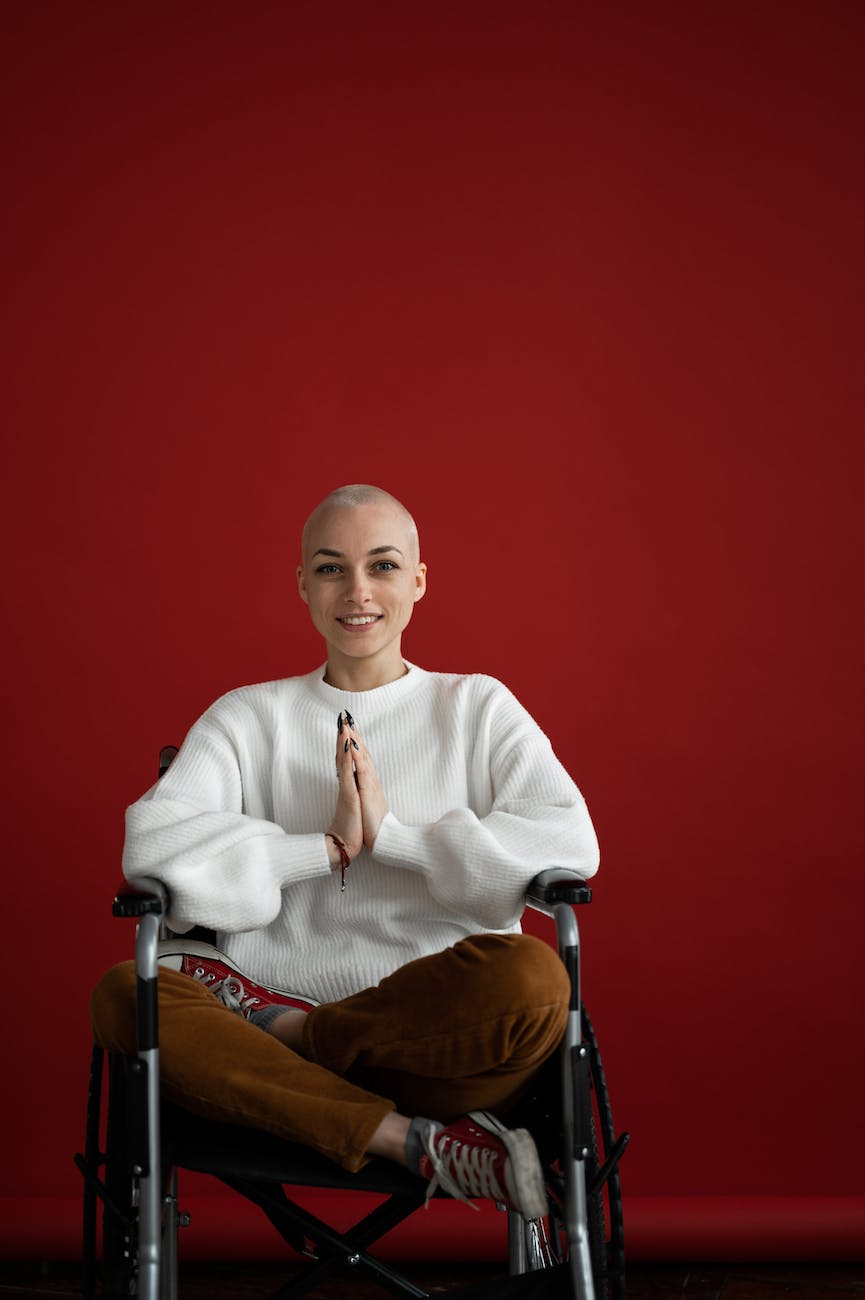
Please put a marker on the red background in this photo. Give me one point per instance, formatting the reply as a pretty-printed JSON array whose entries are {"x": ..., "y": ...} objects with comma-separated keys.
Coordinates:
[{"x": 584, "y": 288}]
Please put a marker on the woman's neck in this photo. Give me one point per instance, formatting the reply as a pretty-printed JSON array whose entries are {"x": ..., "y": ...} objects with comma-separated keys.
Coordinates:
[{"x": 355, "y": 676}]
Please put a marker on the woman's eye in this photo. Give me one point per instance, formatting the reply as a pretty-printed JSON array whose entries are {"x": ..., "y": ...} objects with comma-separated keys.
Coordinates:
[
  {"x": 385, "y": 566},
  {"x": 328, "y": 569}
]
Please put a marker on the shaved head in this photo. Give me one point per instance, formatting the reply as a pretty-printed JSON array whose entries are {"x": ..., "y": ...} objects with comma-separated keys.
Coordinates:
[{"x": 361, "y": 494}]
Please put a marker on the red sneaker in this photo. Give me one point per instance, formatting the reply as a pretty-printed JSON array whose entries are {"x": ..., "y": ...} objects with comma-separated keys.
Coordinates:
[
  {"x": 239, "y": 992},
  {"x": 477, "y": 1156}
]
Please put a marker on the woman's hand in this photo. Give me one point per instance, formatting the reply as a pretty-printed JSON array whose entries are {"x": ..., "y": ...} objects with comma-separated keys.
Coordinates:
[
  {"x": 361, "y": 804},
  {"x": 373, "y": 804},
  {"x": 347, "y": 820}
]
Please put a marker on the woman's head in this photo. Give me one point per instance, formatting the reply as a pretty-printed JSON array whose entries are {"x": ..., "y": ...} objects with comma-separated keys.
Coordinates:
[
  {"x": 361, "y": 576},
  {"x": 361, "y": 494}
]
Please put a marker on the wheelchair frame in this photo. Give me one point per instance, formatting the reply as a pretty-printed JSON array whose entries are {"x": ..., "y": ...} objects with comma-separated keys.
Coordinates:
[{"x": 138, "y": 1190}]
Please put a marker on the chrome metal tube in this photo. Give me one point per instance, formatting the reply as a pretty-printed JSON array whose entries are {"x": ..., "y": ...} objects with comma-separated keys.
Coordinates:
[
  {"x": 150, "y": 1203},
  {"x": 576, "y": 1202}
]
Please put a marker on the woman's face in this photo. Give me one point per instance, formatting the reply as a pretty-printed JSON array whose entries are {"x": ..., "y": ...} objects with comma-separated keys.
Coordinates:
[{"x": 361, "y": 578}]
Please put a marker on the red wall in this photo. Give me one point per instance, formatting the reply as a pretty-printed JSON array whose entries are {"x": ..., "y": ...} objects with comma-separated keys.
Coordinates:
[{"x": 585, "y": 288}]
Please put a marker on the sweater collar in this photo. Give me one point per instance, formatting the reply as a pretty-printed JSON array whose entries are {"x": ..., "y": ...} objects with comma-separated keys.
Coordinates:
[{"x": 378, "y": 699}]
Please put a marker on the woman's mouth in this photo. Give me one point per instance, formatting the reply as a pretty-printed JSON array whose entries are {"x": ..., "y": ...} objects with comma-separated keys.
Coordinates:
[{"x": 359, "y": 620}]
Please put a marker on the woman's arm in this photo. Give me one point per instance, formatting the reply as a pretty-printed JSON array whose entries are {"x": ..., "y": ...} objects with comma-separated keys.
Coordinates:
[
  {"x": 223, "y": 868},
  {"x": 531, "y": 816}
]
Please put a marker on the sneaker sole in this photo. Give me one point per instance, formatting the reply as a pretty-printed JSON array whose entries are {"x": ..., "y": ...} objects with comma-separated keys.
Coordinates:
[{"x": 527, "y": 1177}]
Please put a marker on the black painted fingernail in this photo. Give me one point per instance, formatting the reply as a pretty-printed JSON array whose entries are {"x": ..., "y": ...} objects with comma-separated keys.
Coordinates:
[
  {"x": 356, "y": 745},
  {"x": 339, "y": 723},
  {"x": 345, "y": 750},
  {"x": 349, "y": 719}
]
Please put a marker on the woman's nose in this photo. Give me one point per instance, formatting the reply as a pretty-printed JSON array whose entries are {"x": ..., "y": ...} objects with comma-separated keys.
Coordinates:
[{"x": 357, "y": 587}]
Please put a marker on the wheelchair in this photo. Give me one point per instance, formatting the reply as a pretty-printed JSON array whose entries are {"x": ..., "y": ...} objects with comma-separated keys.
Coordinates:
[{"x": 136, "y": 1145}]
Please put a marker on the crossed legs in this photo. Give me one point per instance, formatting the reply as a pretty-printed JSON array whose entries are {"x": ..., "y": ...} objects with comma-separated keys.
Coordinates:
[{"x": 465, "y": 1029}]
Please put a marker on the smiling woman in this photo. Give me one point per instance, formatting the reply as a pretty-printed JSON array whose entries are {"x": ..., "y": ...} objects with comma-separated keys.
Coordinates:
[
  {"x": 448, "y": 801},
  {"x": 361, "y": 577}
]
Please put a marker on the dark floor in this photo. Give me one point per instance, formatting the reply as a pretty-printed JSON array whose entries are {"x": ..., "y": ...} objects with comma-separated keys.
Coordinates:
[{"x": 244, "y": 1281}]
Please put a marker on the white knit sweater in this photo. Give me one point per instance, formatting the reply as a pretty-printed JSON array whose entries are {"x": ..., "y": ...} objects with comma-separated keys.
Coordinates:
[{"x": 235, "y": 829}]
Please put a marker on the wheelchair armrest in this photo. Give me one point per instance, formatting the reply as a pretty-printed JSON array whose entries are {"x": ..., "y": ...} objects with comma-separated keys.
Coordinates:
[
  {"x": 145, "y": 897},
  {"x": 557, "y": 885}
]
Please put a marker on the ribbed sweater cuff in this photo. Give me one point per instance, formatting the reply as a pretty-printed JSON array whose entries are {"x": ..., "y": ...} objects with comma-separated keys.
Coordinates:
[
  {"x": 298, "y": 857},
  {"x": 399, "y": 845}
]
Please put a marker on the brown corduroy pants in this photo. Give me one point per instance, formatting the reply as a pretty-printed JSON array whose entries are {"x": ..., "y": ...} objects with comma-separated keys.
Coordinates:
[{"x": 464, "y": 1029}]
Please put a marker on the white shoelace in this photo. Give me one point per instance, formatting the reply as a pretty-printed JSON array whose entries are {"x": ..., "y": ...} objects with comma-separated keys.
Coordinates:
[
  {"x": 462, "y": 1170},
  {"x": 230, "y": 992}
]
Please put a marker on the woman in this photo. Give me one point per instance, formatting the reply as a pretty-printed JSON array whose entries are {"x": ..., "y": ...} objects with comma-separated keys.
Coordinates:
[{"x": 363, "y": 834}]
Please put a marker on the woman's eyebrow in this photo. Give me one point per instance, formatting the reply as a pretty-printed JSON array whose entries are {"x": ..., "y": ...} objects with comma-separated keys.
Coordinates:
[{"x": 340, "y": 555}]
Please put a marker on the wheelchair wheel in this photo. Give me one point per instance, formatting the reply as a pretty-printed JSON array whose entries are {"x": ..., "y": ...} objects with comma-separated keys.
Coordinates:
[
  {"x": 119, "y": 1213},
  {"x": 546, "y": 1242},
  {"x": 109, "y": 1191},
  {"x": 605, "y": 1183}
]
